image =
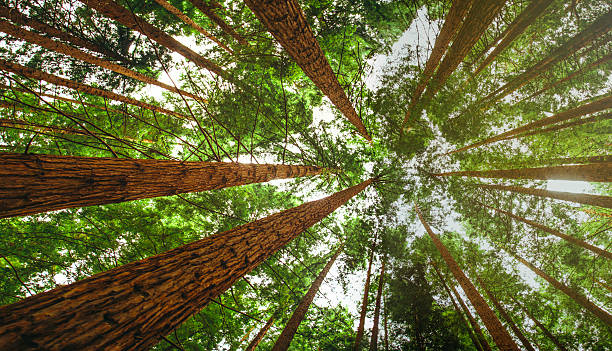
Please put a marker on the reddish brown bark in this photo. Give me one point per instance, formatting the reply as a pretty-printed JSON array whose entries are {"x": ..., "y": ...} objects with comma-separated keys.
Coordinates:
[
  {"x": 262, "y": 332},
  {"x": 364, "y": 301},
  {"x": 283, "y": 341},
  {"x": 540, "y": 325},
  {"x": 500, "y": 335},
  {"x": 595, "y": 172},
  {"x": 586, "y": 199},
  {"x": 481, "y": 338},
  {"x": 39, "y": 183},
  {"x": 287, "y": 23},
  {"x": 56, "y": 46},
  {"x": 381, "y": 282},
  {"x": 592, "y": 119},
  {"x": 208, "y": 8},
  {"x": 131, "y": 307},
  {"x": 582, "y": 110},
  {"x": 573, "y": 294},
  {"x": 579, "y": 160}
]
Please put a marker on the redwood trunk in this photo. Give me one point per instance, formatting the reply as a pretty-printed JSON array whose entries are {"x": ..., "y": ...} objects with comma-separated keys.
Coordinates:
[
  {"x": 287, "y": 23},
  {"x": 481, "y": 338},
  {"x": 585, "y": 199},
  {"x": 574, "y": 295},
  {"x": 540, "y": 325},
  {"x": 381, "y": 282},
  {"x": 131, "y": 307},
  {"x": 579, "y": 122},
  {"x": 38, "y": 183},
  {"x": 579, "y": 160},
  {"x": 500, "y": 335},
  {"x": 596, "y": 172},
  {"x": 283, "y": 341},
  {"x": 364, "y": 302},
  {"x": 209, "y": 11},
  {"x": 262, "y": 332}
]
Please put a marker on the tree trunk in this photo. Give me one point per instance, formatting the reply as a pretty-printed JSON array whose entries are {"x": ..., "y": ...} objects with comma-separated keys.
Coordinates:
[
  {"x": 381, "y": 282},
  {"x": 59, "y": 47},
  {"x": 500, "y": 335},
  {"x": 364, "y": 302},
  {"x": 35, "y": 74},
  {"x": 481, "y": 338},
  {"x": 209, "y": 11},
  {"x": 262, "y": 332},
  {"x": 582, "y": 110},
  {"x": 506, "y": 316},
  {"x": 131, "y": 307},
  {"x": 596, "y": 172},
  {"x": 577, "y": 297},
  {"x": 287, "y": 23},
  {"x": 585, "y": 199},
  {"x": 39, "y": 183},
  {"x": 554, "y": 232},
  {"x": 579, "y": 160},
  {"x": 385, "y": 325},
  {"x": 112, "y": 10},
  {"x": 452, "y": 24},
  {"x": 540, "y": 325},
  {"x": 283, "y": 341},
  {"x": 592, "y": 119},
  {"x": 527, "y": 17}
]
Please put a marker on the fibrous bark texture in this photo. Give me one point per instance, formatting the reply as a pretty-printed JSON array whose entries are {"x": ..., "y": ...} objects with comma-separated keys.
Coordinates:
[
  {"x": 131, "y": 307},
  {"x": 585, "y": 199},
  {"x": 596, "y": 172},
  {"x": 364, "y": 302},
  {"x": 540, "y": 325},
  {"x": 39, "y": 183},
  {"x": 208, "y": 8},
  {"x": 262, "y": 332},
  {"x": 283, "y": 341},
  {"x": 287, "y": 23},
  {"x": 500, "y": 335},
  {"x": 374, "y": 336}
]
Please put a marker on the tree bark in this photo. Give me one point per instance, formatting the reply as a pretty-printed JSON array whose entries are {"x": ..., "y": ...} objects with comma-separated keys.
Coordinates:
[
  {"x": 262, "y": 332},
  {"x": 579, "y": 160},
  {"x": 554, "y": 232},
  {"x": 364, "y": 301},
  {"x": 385, "y": 325},
  {"x": 585, "y": 199},
  {"x": 592, "y": 119},
  {"x": 38, "y": 183},
  {"x": 287, "y": 23},
  {"x": 131, "y": 307},
  {"x": 283, "y": 341},
  {"x": 540, "y": 325},
  {"x": 500, "y": 335},
  {"x": 209, "y": 11},
  {"x": 574, "y": 295},
  {"x": 381, "y": 282},
  {"x": 481, "y": 338},
  {"x": 596, "y": 172}
]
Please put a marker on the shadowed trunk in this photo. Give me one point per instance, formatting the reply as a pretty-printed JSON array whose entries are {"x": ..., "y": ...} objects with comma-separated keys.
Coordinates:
[
  {"x": 56, "y": 46},
  {"x": 582, "y": 110},
  {"x": 262, "y": 332},
  {"x": 500, "y": 335},
  {"x": 481, "y": 338},
  {"x": 285, "y": 20},
  {"x": 596, "y": 172},
  {"x": 381, "y": 282},
  {"x": 39, "y": 183},
  {"x": 574, "y": 295},
  {"x": 209, "y": 11},
  {"x": 540, "y": 325},
  {"x": 585, "y": 199},
  {"x": 592, "y": 119},
  {"x": 131, "y": 307},
  {"x": 364, "y": 302},
  {"x": 283, "y": 341}
]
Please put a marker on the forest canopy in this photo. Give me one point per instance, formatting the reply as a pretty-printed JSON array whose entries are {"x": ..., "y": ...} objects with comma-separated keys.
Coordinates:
[{"x": 305, "y": 175}]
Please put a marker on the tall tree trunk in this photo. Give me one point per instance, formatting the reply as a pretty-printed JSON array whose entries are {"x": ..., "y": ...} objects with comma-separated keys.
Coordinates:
[
  {"x": 131, "y": 307},
  {"x": 385, "y": 325},
  {"x": 59, "y": 47},
  {"x": 459, "y": 313},
  {"x": 287, "y": 23},
  {"x": 452, "y": 24},
  {"x": 481, "y": 338},
  {"x": 283, "y": 341},
  {"x": 585, "y": 199},
  {"x": 554, "y": 232},
  {"x": 35, "y": 74},
  {"x": 578, "y": 160},
  {"x": 574, "y": 295},
  {"x": 500, "y": 335},
  {"x": 596, "y": 172},
  {"x": 592, "y": 119},
  {"x": 39, "y": 183},
  {"x": 527, "y": 17},
  {"x": 364, "y": 302},
  {"x": 502, "y": 311},
  {"x": 540, "y": 325},
  {"x": 262, "y": 332},
  {"x": 381, "y": 282},
  {"x": 113, "y": 10},
  {"x": 582, "y": 110},
  {"x": 209, "y": 11}
]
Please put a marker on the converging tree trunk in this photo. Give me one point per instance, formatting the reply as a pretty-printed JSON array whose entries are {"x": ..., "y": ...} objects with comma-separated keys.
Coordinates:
[
  {"x": 39, "y": 183},
  {"x": 579, "y": 122},
  {"x": 578, "y": 160},
  {"x": 381, "y": 282},
  {"x": 364, "y": 302},
  {"x": 540, "y": 325},
  {"x": 480, "y": 335},
  {"x": 596, "y": 172},
  {"x": 262, "y": 332},
  {"x": 500, "y": 335},
  {"x": 131, "y": 307},
  {"x": 585, "y": 199},
  {"x": 209, "y": 11},
  {"x": 283, "y": 341},
  {"x": 287, "y": 23}
]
